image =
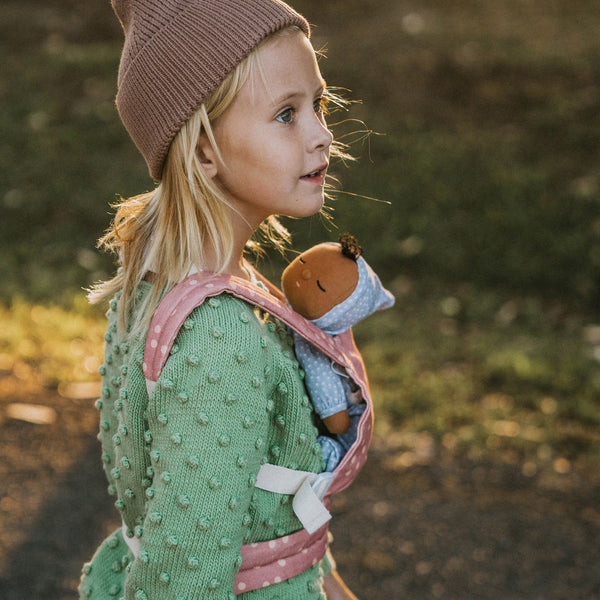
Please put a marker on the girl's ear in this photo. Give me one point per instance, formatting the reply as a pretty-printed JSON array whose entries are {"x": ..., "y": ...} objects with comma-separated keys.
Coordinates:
[{"x": 207, "y": 157}]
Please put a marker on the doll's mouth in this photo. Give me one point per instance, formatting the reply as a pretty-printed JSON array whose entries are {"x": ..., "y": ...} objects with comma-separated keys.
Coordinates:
[{"x": 321, "y": 287}]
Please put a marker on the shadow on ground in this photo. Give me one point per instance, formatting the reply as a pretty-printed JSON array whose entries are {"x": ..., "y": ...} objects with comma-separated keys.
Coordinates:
[{"x": 45, "y": 564}]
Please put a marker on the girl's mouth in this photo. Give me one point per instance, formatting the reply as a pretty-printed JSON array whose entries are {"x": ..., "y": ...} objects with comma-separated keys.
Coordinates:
[
  {"x": 310, "y": 175},
  {"x": 318, "y": 174}
]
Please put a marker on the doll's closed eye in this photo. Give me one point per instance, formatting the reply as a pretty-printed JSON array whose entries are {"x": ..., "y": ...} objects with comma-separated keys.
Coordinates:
[{"x": 302, "y": 261}]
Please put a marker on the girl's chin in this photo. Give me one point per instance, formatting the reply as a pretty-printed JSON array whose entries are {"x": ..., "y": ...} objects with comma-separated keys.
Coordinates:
[{"x": 306, "y": 208}]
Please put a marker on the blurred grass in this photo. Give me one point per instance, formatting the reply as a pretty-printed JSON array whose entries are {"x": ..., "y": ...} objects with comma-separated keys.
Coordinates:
[
  {"x": 481, "y": 376},
  {"x": 49, "y": 347},
  {"x": 487, "y": 121}
]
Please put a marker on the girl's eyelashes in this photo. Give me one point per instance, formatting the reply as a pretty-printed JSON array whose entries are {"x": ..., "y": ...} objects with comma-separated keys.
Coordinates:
[
  {"x": 286, "y": 116},
  {"x": 320, "y": 104}
]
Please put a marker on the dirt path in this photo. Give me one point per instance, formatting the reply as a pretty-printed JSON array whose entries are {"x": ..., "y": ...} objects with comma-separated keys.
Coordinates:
[
  {"x": 450, "y": 529},
  {"x": 462, "y": 530}
]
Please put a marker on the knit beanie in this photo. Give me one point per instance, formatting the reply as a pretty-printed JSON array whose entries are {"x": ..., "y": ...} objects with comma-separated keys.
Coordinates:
[{"x": 177, "y": 53}]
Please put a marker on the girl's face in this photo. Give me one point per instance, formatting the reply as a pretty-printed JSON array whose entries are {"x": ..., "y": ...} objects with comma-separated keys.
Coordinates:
[{"x": 273, "y": 139}]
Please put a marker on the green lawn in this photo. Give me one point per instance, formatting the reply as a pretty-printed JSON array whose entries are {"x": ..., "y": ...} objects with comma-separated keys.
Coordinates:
[{"x": 476, "y": 198}]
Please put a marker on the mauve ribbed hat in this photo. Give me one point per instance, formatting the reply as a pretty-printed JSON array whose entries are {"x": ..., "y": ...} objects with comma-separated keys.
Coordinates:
[{"x": 177, "y": 53}]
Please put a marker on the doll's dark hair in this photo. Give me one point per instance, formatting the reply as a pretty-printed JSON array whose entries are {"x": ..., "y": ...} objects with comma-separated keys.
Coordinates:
[{"x": 350, "y": 247}]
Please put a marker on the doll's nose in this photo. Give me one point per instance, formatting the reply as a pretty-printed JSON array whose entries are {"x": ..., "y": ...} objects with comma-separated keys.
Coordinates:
[{"x": 306, "y": 274}]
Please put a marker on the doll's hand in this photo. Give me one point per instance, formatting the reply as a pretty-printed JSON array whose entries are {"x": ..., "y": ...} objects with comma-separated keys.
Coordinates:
[{"x": 337, "y": 423}]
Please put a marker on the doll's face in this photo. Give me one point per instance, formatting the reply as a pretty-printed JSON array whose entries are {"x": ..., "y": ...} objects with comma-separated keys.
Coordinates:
[{"x": 319, "y": 279}]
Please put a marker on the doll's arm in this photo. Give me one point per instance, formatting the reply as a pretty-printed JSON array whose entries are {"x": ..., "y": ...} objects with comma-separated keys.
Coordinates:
[{"x": 324, "y": 386}]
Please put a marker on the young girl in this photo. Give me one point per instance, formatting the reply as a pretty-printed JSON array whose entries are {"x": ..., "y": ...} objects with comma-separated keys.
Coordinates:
[{"x": 225, "y": 101}]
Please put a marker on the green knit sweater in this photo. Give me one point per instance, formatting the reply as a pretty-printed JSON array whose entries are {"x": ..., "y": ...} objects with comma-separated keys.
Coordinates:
[{"x": 183, "y": 463}]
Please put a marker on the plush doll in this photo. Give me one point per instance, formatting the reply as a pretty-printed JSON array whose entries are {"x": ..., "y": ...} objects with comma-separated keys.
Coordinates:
[{"x": 332, "y": 286}]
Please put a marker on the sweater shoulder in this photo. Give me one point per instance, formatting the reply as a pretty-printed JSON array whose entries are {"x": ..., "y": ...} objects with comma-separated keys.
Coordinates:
[
  {"x": 224, "y": 337},
  {"x": 219, "y": 317}
]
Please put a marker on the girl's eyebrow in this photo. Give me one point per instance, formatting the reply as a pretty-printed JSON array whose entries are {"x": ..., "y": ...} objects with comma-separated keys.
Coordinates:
[{"x": 287, "y": 96}]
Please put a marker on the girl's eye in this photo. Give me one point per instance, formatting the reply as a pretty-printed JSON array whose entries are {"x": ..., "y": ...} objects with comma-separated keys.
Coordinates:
[
  {"x": 319, "y": 105},
  {"x": 286, "y": 116}
]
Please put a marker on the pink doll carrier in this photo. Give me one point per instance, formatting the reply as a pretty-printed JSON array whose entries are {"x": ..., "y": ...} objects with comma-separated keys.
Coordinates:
[{"x": 272, "y": 561}]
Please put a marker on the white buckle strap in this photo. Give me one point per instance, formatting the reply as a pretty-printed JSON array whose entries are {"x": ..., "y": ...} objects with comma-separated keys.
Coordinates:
[
  {"x": 307, "y": 488},
  {"x": 132, "y": 543},
  {"x": 150, "y": 385}
]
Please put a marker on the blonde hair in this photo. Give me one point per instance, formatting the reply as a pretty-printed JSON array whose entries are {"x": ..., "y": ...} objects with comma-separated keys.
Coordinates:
[{"x": 166, "y": 231}]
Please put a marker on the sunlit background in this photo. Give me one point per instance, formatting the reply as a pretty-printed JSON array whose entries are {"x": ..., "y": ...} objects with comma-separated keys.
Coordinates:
[{"x": 475, "y": 195}]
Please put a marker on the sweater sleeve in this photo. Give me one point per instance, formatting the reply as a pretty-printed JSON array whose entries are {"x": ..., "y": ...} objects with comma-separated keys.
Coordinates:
[{"x": 207, "y": 423}]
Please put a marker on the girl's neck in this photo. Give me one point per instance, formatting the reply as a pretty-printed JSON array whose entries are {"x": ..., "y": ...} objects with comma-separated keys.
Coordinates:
[
  {"x": 239, "y": 270},
  {"x": 236, "y": 265}
]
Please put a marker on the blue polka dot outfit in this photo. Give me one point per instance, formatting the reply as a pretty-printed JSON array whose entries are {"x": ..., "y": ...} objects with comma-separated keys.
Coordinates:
[{"x": 329, "y": 388}]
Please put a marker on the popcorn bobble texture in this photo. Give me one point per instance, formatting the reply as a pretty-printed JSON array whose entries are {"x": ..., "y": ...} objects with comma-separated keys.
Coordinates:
[{"x": 183, "y": 464}]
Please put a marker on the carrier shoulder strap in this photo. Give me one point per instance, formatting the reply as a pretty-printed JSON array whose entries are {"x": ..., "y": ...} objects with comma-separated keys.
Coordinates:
[
  {"x": 178, "y": 304},
  {"x": 276, "y": 560}
]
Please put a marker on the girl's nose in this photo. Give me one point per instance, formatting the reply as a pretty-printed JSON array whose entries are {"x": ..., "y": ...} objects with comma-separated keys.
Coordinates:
[
  {"x": 325, "y": 139},
  {"x": 306, "y": 274},
  {"x": 321, "y": 138}
]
